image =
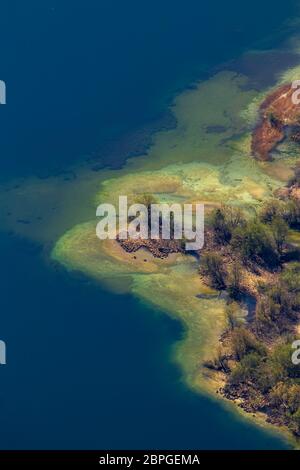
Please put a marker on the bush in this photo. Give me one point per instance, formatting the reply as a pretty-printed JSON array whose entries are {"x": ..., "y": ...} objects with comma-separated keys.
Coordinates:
[
  {"x": 244, "y": 342},
  {"x": 220, "y": 227},
  {"x": 234, "y": 281},
  {"x": 290, "y": 277},
  {"x": 279, "y": 230},
  {"x": 292, "y": 213},
  {"x": 254, "y": 242},
  {"x": 266, "y": 312},
  {"x": 289, "y": 211},
  {"x": 265, "y": 378},
  {"x": 280, "y": 361},
  {"x": 296, "y": 422},
  {"x": 287, "y": 395},
  {"x": 295, "y": 180},
  {"x": 231, "y": 315},
  {"x": 211, "y": 265},
  {"x": 278, "y": 303},
  {"x": 224, "y": 221},
  {"x": 270, "y": 210},
  {"x": 245, "y": 369}
]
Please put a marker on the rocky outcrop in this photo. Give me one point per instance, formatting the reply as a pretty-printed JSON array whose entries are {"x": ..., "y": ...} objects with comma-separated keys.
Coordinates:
[
  {"x": 158, "y": 248},
  {"x": 279, "y": 118}
]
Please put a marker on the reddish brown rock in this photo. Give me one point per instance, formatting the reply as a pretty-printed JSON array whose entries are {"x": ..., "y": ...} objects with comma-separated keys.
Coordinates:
[{"x": 277, "y": 114}]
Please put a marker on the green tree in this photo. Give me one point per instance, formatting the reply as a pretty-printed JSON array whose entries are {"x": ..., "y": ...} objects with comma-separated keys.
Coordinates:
[
  {"x": 279, "y": 230},
  {"x": 224, "y": 221},
  {"x": 231, "y": 316},
  {"x": 270, "y": 210},
  {"x": 234, "y": 280},
  {"x": 244, "y": 342},
  {"x": 211, "y": 265},
  {"x": 255, "y": 243},
  {"x": 245, "y": 369},
  {"x": 220, "y": 226}
]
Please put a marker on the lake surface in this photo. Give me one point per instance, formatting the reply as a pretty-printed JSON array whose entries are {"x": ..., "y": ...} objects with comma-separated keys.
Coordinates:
[{"x": 87, "y": 368}]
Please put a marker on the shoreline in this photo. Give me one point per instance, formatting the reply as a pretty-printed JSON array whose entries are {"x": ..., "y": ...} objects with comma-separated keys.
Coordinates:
[{"x": 201, "y": 380}]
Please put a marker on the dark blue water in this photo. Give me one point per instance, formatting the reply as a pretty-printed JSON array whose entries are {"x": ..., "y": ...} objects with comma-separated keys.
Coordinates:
[
  {"x": 89, "y": 369},
  {"x": 79, "y": 73}
]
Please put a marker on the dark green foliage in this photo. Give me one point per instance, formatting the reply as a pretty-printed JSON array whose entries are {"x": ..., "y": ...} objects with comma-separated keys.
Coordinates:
[
  {"x": 275, "y": 214},
  {"x": 279, "y": 230},
  {"x": 290, "y": 277},
  {"x": 280, "y": 361},
  {"x": 295, "y": 180},
  {"x": 289, "y": 211},
  {"x": 224, "y": 221},
  {"x": 244, "y": 370},
  {"x": 211, "y": 265},
  {"x": 292, "y": 213},
  {"x": 254, "y": 242},
  {"x": 234, "y": 281},
  {"x": 244, "y": 342},
  {"x": 296, "y": 422},
  {"x": 274, "y": 377},
  {"x": 267, "y": 377},
  {"x": 270, "y": 210},
  {"x": 279, "y": 303}
]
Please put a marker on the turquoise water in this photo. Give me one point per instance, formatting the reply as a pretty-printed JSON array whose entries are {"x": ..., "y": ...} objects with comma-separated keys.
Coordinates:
[{"x": 86, "y": 368}]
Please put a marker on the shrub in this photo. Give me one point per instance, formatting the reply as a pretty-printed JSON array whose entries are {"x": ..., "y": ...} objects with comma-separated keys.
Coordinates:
[
  {"x": 220, "y": 227},
  {"x": 224, "y": 221},
  {"x": 292, "y": 213},
  {"x": 280, "y": 361},
  {"x": 277, "y": 304},
  {"x": 244, "y": 342},
  {"x": 234, "y": 281},
  {"x": 255, "y": 242},
  {"x": 211, "y": 265},
  {"x": 295, "y": 180},
  {"x": 289, "y": 211},
  {"x": 266, "y": 312},
  {"x": 270, "y": 210},
  {"x": 265, "y": 378},
  {"x": 245, "y": 369},
  {"x": 279, "y": 230},
  {"x": 290, "y": 277},
  {"x": 286, "y": 394},
  {"x": 296, "y": 421},
  {"x": 231, "y": 315}
]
